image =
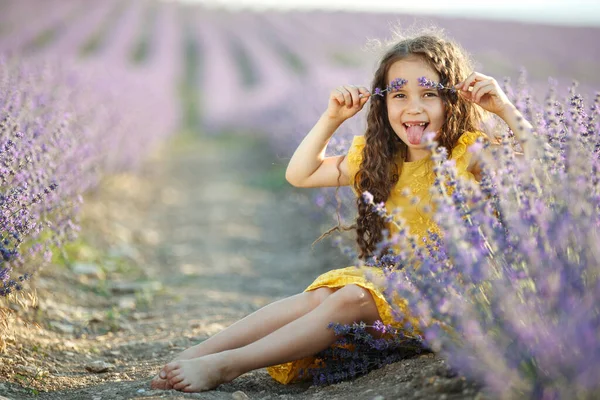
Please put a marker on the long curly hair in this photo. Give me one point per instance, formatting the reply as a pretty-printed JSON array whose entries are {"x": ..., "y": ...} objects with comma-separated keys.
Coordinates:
[{"x": 379, "y": 170}]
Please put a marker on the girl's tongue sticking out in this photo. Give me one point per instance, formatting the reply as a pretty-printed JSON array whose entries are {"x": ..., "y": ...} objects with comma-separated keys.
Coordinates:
[{"x": 415, "y": 133}]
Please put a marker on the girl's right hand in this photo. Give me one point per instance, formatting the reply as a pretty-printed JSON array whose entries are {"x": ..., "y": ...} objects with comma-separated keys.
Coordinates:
[{"x": 346, "y": 101}]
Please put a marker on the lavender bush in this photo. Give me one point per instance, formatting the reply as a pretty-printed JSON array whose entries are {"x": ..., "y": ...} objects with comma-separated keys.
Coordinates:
[
  {"x": 65, "y": 124},
  {"x": 51, "y": 139},
  {"x": 357, "y": 351},
  {"x": 508, "y": 290}
]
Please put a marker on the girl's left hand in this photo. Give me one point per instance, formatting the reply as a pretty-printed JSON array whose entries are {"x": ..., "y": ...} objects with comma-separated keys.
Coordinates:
[{"x": 484, "y": 91}]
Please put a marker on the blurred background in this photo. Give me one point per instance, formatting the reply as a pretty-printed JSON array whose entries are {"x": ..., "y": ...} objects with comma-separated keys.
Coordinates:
[{"x": 267, "y": 66}]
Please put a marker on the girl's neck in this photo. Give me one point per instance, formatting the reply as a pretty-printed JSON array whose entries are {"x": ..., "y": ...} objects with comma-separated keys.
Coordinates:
[{"x": 417, "y": 154}]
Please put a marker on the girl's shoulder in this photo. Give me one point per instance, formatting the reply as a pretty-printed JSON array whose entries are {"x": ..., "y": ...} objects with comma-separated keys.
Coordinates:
[
  {"x": 356, "y": 148},
  {"x": 358, "y": 143},
  {"x": 466, "y": 152},
  {"x": 464, "y": 142}
]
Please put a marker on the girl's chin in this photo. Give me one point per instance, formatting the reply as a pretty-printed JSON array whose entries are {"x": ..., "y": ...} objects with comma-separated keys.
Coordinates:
[
  {"x": 416, "y": 146},
  {"x": 413, "y": 146}
]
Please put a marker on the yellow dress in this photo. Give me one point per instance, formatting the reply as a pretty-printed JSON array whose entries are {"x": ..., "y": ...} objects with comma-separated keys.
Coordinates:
[{"x": 417, "y": 177}]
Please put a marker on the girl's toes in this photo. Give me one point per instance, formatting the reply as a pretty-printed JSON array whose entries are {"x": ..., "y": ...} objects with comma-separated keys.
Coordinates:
[
  {"x": 181, "y": 385},
  {"x": 170, "y": 367},
  {"x": 176, "y": 379},
  {"x": 158, "y": 383},
  {"x": 189, "y": 389},
  {"x": 171, "y": 372},
  {"x": 174, "y": 374},
  {"x": 164, "y": 372}
]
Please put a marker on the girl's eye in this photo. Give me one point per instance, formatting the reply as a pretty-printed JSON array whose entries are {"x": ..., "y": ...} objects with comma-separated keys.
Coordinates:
[{"x": 402, "y": 95}]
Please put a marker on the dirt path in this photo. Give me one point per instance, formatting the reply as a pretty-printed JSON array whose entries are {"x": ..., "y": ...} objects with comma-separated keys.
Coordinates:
[{"x": 208, "y": 233}]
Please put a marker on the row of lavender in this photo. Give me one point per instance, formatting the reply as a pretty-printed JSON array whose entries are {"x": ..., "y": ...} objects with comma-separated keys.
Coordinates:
[
  {"x": 85, "y": 91},
  {"x": 271, "y": 72}
]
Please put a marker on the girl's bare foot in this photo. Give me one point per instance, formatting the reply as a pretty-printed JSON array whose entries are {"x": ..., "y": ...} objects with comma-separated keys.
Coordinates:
[
  {"x": 200, "y": 374},
  {"x": 159, "y": 383}
]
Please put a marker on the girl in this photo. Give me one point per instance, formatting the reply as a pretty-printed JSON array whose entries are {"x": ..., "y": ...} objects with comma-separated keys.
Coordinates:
[{"x": 422, "y": 85}]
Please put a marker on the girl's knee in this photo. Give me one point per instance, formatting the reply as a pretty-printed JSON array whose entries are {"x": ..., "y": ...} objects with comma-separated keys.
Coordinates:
[
  {"x": 319, "y": 295},
  {"x": 354, "y": 296}
]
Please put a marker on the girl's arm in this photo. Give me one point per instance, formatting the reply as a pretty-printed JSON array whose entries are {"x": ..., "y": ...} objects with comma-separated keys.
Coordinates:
[
  {"x": 308, "y": 166},
  {"x": 485, "y": 92},
  {"x": 518, "y": 124}
]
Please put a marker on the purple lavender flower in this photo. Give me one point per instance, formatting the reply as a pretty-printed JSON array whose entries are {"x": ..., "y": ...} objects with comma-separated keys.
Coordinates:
[
  {"x": 424, "y": 82},
  {"x": 356, "y": 352},
  {"x": 394, "y": 86},
  {"x": 54, "y": 146}
]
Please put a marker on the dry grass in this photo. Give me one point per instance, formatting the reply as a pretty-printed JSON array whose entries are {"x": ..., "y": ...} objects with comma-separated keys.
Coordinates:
[{"x": 13, "y": 308}]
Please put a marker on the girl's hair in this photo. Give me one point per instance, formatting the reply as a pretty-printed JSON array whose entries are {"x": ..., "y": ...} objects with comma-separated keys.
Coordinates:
[{"x": 378, "y": 172}]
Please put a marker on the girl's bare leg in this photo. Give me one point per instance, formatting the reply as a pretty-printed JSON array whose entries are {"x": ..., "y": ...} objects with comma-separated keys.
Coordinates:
[
  {"x": 251, "y": 328},
  {"x": 303, "y": 337}
]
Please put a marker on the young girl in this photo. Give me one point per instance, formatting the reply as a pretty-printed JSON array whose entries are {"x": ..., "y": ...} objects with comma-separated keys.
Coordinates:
[{"x": 422, "y": 85}]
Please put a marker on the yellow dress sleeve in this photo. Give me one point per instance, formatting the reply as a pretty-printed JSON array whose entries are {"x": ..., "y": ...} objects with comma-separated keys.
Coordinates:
[
  {"x": 355, "y": 156},
  {"x": 460, "y": 153}
]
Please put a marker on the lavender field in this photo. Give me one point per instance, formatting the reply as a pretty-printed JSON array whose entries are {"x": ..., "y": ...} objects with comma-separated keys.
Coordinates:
[{"x": 141, "y": 101}]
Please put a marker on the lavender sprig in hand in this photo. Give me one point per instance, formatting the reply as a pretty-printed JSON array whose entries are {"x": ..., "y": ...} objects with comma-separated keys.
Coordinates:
[
  {"x": 394, "y": 85},
  {"x": 434, "y": 85},
  {"x": 398, "y": 83}
]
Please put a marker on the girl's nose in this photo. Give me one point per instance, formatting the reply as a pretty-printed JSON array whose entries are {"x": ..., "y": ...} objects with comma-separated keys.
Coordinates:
[{"x": 415, "y": 106}]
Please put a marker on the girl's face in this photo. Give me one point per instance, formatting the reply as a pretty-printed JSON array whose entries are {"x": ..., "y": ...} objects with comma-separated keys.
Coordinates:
[{"x": 414, "y": 110}]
